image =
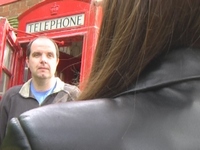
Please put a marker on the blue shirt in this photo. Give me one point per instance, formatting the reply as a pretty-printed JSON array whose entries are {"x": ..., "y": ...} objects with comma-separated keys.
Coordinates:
[{"x": 40, "y": 96}]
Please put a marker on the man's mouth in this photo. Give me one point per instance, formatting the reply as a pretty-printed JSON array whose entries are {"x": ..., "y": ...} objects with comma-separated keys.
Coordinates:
[{"x": 43, "y": 68}]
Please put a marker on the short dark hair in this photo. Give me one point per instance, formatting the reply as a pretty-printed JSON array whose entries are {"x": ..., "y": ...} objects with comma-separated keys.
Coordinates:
[{"x": 28, "y": 49}]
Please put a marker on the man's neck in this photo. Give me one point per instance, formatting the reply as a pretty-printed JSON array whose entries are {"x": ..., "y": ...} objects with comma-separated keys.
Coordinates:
[{"x": 43, "y": 84}]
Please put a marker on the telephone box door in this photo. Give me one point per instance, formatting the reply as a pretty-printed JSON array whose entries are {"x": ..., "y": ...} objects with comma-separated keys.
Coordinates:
[{"x": 11, "y": 60}]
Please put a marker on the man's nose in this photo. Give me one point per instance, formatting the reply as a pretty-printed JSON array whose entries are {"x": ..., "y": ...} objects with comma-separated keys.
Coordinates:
[{"x": 43, "y": 58}]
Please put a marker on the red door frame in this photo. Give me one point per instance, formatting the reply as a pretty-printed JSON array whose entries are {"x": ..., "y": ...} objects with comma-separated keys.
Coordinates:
[{"x": 7, "y": 35}]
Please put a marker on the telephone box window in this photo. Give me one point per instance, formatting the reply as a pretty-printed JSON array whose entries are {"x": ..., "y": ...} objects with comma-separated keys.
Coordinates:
[
  {"x": 8, "y": 53},
  {"x": 75, "y": 49},
  {"x": 26, "y": 73},
  {"x": 3, "y": 83}
]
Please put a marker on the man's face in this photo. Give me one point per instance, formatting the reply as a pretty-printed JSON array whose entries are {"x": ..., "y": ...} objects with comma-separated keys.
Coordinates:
[{"x": 42, "y": 61}]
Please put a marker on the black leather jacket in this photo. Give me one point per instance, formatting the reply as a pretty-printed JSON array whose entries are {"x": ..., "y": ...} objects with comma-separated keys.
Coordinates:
[{"x": 161, "y": 112}]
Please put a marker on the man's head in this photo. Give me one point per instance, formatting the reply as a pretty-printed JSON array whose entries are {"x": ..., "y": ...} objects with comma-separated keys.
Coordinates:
[
  {"x": 42, "y": 57},
  {"x": 28, "y": 51}
]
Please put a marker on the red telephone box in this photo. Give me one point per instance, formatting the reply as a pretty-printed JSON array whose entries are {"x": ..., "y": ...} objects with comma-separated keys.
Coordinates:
[
  {"x": 74, "y": 23},
  {"x": 10, "y": 53}
]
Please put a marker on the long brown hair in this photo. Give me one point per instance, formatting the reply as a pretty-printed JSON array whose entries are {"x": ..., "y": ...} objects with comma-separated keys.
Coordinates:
[{"x": 133, "y": 33}]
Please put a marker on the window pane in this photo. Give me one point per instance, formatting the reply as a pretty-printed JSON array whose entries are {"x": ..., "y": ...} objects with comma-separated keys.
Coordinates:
[
  {"x": 3, "y": 83},
  {"x": 7, "y": 56},
  {"x": 26, "y": 73}
]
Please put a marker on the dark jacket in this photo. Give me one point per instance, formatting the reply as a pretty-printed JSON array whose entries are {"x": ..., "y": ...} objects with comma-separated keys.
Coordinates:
[
  {"x": 160, "y": 112},
  {"x": 19, "y": 99}
]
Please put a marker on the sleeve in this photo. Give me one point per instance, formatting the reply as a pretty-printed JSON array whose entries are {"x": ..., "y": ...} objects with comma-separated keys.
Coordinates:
[
  {"x": 72, "y": 91},
  {"x": 3, "y": 115},
  {"x": 15, "y": 138}
]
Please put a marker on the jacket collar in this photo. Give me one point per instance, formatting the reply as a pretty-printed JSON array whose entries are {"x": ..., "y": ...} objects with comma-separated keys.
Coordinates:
[
  {"x": 25, "y": 89},
  {"x": 175, "y": 66}
]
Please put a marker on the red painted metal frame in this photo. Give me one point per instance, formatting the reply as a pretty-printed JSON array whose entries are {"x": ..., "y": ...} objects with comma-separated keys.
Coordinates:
[
  {"x": 89, "y": 30},
  {"x": 5, "y": 2},
  {"x": 7, "y": 35},
  {"x": 3, "y": 31}
]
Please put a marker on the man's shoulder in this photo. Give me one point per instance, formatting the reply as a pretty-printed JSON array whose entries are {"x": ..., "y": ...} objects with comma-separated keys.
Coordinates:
[
  {"x": 72, "y": 90},
  {"x": 13, "y": 90},
  {"x": 66, "y": 87},
  {"x": 70, "y": 87}
]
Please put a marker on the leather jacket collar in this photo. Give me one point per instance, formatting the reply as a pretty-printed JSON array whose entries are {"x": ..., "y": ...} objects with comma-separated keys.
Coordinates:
[{"x": 175, "y": 66}]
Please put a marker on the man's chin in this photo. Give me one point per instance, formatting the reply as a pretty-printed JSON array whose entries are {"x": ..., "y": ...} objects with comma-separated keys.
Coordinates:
[{"x": 43, "y": 76}]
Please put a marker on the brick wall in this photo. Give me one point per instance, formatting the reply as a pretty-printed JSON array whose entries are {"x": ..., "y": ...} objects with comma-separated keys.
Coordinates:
[{"x": 13, "y": 10}]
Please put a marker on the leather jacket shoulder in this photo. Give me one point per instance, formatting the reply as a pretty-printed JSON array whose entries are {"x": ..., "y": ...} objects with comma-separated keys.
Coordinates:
[{"x": 160, "y": 112}]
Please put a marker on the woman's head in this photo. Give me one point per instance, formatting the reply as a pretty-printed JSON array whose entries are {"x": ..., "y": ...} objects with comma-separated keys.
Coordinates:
[{"x": 132, "y": 34}]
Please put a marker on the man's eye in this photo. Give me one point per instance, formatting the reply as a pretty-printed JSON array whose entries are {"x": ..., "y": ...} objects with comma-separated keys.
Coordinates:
[
  {"x": 50, "y": 55},
  {"x": 36, "y": 55}
]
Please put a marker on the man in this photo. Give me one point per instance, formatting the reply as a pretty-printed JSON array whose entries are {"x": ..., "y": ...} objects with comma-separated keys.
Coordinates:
[{"x": 43, "y": 88}]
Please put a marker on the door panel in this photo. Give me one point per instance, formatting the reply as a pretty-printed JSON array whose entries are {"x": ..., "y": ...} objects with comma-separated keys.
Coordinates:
[{"x": 10, "y": 52}]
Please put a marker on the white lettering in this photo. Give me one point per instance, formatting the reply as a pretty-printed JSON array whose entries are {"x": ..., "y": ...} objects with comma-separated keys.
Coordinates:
[{"x": 57, "y": 23}]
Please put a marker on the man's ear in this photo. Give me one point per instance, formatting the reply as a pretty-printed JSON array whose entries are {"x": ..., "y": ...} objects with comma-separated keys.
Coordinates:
[{"x": 58, "y": 61}]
